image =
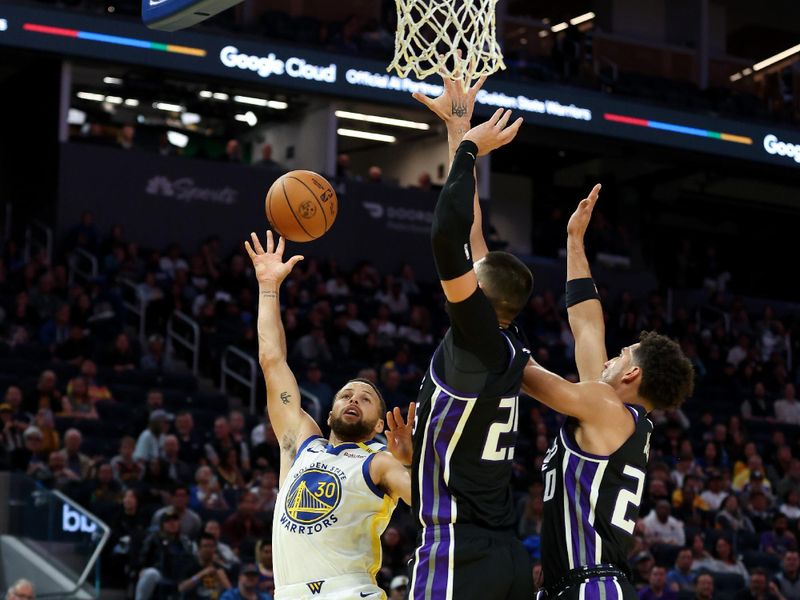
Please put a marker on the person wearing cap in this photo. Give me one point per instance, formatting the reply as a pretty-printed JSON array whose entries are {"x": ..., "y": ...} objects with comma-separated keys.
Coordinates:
[
  {"x": 163, "y": 557},
  {"x": 642, "y": 565},
  {"x": 148, "y": 446},
  {"x": 336, "y": 495},
  {"x": 662, "y": 528},
  {"x": 398, "y": 587},
  {"x": 248, "y": 586}
]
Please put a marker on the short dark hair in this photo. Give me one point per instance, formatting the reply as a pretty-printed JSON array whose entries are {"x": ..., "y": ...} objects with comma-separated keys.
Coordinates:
[
  {"x": 374, "y": 388},
  {"x": 207, "y": 536},
  {"x": 667, "y": 375},
  {"x": 506, "y": 281}
]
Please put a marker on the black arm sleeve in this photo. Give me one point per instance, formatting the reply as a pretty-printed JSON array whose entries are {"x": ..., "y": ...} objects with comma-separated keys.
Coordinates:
[
  {"x": 453, "y": 216},
  {"x": 478, "y": 343}
]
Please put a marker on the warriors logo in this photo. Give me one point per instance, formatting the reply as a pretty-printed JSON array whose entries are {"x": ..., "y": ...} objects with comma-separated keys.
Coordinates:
[{"x": 313, "y": 496}]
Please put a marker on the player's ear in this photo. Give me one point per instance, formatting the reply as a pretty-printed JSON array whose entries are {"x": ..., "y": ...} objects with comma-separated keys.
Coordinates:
[
  {"x": 631, "y": 375},
  {"x": 330, "y": 416},
  {"x": 380, "y": 426}
]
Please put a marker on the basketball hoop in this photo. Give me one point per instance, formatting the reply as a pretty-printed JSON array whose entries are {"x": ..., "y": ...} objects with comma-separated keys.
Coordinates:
[{"x": 453, "y": 37}]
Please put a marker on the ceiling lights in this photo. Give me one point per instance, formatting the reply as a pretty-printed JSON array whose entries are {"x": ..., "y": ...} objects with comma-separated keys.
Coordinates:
[
  {"x": 343, "y": 114},
  {"x": 768, "y": 62},
  {"x": 367, "y": 135},
  {"x": 249, "y": 117},
  {"x": 558, "y": 27}
]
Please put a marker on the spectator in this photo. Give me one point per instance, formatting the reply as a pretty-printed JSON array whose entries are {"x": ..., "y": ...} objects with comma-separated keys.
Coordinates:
[
  {"x": 30, "y": 458},
  {"x": 51, "y": 440},
  {"x": 662, "y": 528},
  {"x": 701, "y": 558},
  {"x": 424, "y": 182},
  {"x": 244, "y": 526},
  {"x": 266, "y": 576},
  {"x": 680, "y": 578},
  {"x": 191, "y": 450},
  {"x": 122, "y": 356},
  {"x": 148, "y": 446},
  {"x": 204, "y": 577},
  {"x": 237, "y": 425},
  {"x": 266, "y": 158},
  {"x": 398, "y": 587},
  {"x": 760, "y": 587},
  {"x": 46, "y": 394},
  {"x": 57, "y": 474},
  {"x": 233, "y": 152},
  {"x": 190, "y": 522},
  {"x": 126, "y": 135},
  {"x": 780, "y": 540},
  {"x": 153, "y": 401},
  {"x": 76, "y": 403},
  {"x": 788, "y": 580},
  {"x": 164, "y": 556},
  {"x": 105, "y": 492},
  {"x": 657, "y": 588},
  {"x": 22, "y": 589},
  {"x": 758, "y": 406},
  {"x": 176, "y": 469},
  {"x": 266, "y": 492},
  {"x": 206, "y": 493},
  {"x": 314, "y": 385},
  {"x": 791, "y": 506},
  {"x": 228, "y": 472},
  {"x": 343, "y": 167},
  {"x": 787, "y": 409},
  {"x": 375, "y": 174},
  {"x": 642, "y": 565},
  {"x": 96, "y": 389},
  {"x": 313, "y": 346},
  {"x": 704, "y": 587},
  {"x": 77, "y": 462},
  {"x": 248, "y": 586},
  {"x": 791, "y": 481},
  {"x": 225, "y": 555},
  {"x": 156, "y": 358},
  {"x": 726, "y": 561},
  {"x": 222, "y": 442},
  {"x": 128, "y": 530},
  {"x": 390, "y": 388},
  {"x": 11, "y": 433},
  {"x": 126, "y": 470},
  {"x": 731, "y": 518},
  {"x": 716, "y": 493}
]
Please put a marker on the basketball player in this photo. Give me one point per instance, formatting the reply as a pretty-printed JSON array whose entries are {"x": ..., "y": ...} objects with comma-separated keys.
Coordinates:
[
  {"x": 595, "y": 470},
  {"x": 467, "y": 408},
  {"x": 335, "y": 496}
]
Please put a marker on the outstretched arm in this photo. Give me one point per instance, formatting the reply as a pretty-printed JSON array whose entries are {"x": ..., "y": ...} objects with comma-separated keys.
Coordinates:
[
  {"x": 585, "y": 312},
  {"x": 292, "y": 425},
  {"x": 455, "y": 107}
]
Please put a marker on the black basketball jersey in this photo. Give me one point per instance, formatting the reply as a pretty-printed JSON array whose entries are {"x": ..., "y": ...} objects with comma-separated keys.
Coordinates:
[
  {"x": 591, "y": 503},
  {"x": 464, "y": 438}
]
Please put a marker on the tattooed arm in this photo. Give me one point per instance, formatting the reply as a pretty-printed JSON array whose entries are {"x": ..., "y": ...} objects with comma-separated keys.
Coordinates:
[
  {"x": 455, "y": 107},
  {"x": 291, "y": 424}
]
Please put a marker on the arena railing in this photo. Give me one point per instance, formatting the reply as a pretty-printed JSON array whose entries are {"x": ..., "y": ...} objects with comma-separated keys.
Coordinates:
[
  {"x": 191, "y": 343},
  {"x": 136, "y": 305},
  {"x": 229, "y": 370},
  {"x": 314, "y": 401},
  {"x": 82, "y": 264}
]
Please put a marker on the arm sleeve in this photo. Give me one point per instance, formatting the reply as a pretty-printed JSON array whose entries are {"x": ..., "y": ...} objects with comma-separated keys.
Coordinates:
[
  {"x": 477, "y": 341},
  {"x": 453, "y": 216}
]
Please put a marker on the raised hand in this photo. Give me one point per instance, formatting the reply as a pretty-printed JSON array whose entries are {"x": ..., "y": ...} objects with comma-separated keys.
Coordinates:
[
  {"x": 456, "y": 104},
  {"x": 495, "y": 132},
  {"x": 399, "y": 432},
  {"x": 269, "y": 265},
  {"x": 579, "y": 220}
]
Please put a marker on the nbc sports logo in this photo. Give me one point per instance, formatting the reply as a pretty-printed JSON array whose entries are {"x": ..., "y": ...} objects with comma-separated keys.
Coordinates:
[{"x": 72, "y": 521}]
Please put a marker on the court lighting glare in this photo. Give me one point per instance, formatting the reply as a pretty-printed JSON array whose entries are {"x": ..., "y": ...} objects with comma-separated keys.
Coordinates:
[
  {"x": 249, "y": 117},
  {"x": 205, "y": 94},
  {"x": 220, "y": 96},
  {"x": 76, "y": 117},
  {"x": 113, "y": 99},
  {"x": 367, "y": 135},
  {"x": 582, "y": 18},
  {"x": 112, "y": 80},
  {"x": 177, "y": 138},
  {"x": 166, "y": 106},
  {"x": 277, "y": 105},
  {"x": 91, "y": 96},
  {"x": 767, "y": 62},
  {"x": 189, "y": 118},
  {"x": 251, "y": 100},
  {"x": 344, "y": 114},
  {"x": 131, "y": 102}
]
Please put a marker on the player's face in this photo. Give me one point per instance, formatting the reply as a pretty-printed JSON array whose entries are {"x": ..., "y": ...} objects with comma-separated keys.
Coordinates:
[
  {"x": 616, "y": 367},
  {"x": 356, "y": 413}
]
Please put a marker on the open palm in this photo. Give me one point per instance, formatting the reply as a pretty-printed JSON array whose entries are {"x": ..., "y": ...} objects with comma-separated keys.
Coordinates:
[
  {"x": 399, "y": 434},
  {"x": 268, "y": 264}
]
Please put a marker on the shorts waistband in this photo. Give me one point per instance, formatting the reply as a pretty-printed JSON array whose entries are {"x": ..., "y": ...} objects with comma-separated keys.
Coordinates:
[
  {"x": 330, "y": 584},
  {"x": 582, "y": 575}
]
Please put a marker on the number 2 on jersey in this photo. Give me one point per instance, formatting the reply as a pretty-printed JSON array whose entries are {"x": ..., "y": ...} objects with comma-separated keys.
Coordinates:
[
  {"x": 492, "y": 450},
  {"x": 627, "y": 497}
]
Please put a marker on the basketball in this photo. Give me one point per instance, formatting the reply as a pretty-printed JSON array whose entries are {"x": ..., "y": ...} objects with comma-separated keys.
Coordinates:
[{"x": 301, "y": 206}]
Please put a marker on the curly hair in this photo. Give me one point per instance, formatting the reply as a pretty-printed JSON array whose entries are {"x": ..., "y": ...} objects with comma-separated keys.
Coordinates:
[{"x": 667, "y": 375}]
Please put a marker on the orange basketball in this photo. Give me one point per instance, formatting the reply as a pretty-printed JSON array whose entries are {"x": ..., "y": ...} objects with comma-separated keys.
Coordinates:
[{"x": 301, "y": 206}]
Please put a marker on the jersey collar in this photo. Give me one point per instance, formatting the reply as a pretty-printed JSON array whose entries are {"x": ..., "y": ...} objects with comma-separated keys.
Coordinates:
[{"x": 337, "y": 448}]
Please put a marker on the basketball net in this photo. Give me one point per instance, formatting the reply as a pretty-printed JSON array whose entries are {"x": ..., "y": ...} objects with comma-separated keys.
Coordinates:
[{"x": 453, "y": 37}]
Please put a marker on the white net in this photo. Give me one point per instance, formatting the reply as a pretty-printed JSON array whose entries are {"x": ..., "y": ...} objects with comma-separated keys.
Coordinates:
[{"x": 452, "y": 37}]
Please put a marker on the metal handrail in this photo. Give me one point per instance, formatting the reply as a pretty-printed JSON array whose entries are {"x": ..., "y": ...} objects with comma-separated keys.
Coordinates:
[
  {"x": 76, "y": 269},
  {"x": 316, "y": 404},
  {"x": 138, "y": 307},
  {"x": 228, "y": 371},
  {"x": 37, "y": 226},
  {"x": 174, "y": 337},
  {"x": 95, "y": 555}
]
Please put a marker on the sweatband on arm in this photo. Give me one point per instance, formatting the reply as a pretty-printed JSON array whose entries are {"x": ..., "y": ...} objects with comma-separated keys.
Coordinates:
[
  {"x": 580, "y": 290},
  {"x": 453, "y": 216}
]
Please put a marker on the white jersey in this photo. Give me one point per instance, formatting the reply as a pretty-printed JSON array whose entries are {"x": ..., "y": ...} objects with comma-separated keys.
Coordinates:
[{"x": 329, "y": 517}]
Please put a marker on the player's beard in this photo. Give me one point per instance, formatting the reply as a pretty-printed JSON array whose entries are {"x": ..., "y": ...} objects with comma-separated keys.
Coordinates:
[{"x": 351, "y": 432}]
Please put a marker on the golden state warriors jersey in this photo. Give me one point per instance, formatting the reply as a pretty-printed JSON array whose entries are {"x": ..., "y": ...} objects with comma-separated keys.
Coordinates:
[{"x": 329, "y": 515}]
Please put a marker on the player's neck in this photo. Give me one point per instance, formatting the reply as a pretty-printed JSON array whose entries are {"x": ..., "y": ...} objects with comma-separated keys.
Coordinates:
[{"x": 335, "y": 440}]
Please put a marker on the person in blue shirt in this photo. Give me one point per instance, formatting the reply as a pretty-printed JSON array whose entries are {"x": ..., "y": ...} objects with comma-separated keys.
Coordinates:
[
  {"x": 657, "y": 590},
  {"x": 248, "y": 586},
  {"x": 681, "y": 578}
]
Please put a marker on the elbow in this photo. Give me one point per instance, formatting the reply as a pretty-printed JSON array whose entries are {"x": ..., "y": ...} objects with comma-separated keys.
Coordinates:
[{"x": 269, "y": 358}]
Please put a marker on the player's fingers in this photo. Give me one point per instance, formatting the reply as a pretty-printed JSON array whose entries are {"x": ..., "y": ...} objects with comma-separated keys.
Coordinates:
[
  {"x": 293, "y": 261},
  {"x": 398, "y": 416},
  {"x": 390, "y": 421},
  {"x": 595, "y": 193},
  {"x": 281, "y": 246},
  {"x": 249, "y": 249},
  {"x": 509, "y": 133},
  {"x": 496, "y": 117},
  {"x": 256, "y": 243},
  {"x": 503, "y": 120},
  {"x": 389, "y": 438},
  {"x": 473, "y": 91},
  {"x": 412, "y": 411},
  {"x": 419, "y": 97}
]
